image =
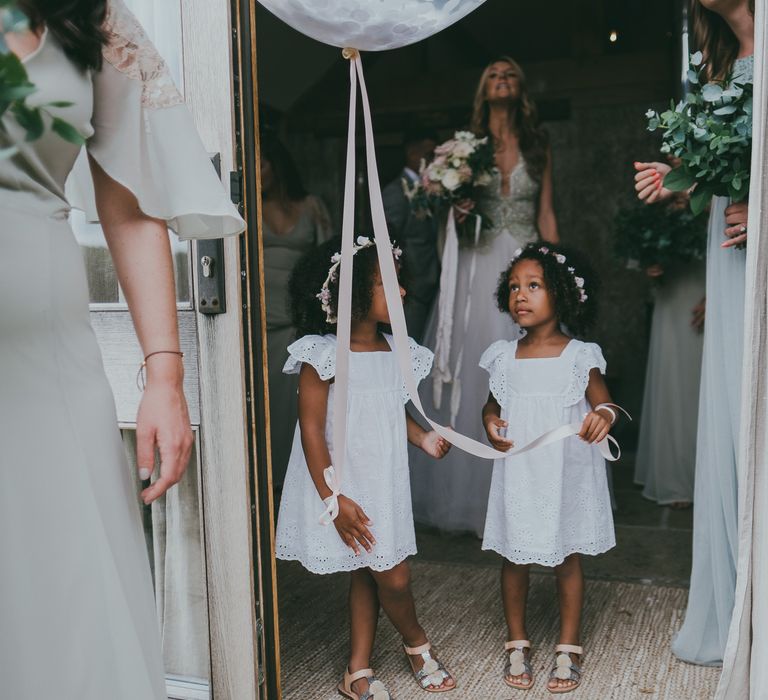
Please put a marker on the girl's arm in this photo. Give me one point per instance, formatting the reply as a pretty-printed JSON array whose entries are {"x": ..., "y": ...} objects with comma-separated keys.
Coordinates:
[
  {"x": 547, "y": 222},
  {"x": 493, "y": 424},
  {"x": 597, "y": 423},
  {"x": 351, "y": 523},
  {"x": 428, "y": 440},
  {"x": 142, "y": 255}
]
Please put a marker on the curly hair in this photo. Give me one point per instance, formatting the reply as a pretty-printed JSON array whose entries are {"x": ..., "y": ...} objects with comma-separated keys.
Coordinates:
[
  {"x": 308, "y": 276},
  {"x": 78, "y": 26},
  {"x": 576, "y": 315}
]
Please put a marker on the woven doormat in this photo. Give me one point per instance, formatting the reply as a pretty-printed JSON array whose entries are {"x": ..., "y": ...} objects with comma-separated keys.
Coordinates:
[{"x": 626, "y": 633}]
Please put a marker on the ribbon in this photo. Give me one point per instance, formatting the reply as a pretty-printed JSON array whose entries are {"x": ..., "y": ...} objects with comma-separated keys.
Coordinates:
[
  {"x": 441, "y": 372},
  {"x": 394, "y": 305},
  {"x": 332, "y": 502}
]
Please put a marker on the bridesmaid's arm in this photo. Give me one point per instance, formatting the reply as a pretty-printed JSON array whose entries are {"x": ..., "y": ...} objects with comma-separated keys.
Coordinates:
[
  {"x": 142, "y": 255},
  {"x": 547, "y": 222}
]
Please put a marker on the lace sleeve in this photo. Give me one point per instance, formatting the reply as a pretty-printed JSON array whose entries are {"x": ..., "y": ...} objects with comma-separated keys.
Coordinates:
[
  {"x": 494, "y": 361},
  {"x": 421, "y": 361},
  {"x": 587, "y": 357},
  {"x": 316, "y": 350},
  {"x": 145, "y": 139}
]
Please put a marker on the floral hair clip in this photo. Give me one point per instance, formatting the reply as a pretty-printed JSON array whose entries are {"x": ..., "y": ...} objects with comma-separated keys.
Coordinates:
[
  {"x": 561, "y": 259},
  {"x": 324, "y": 295}
]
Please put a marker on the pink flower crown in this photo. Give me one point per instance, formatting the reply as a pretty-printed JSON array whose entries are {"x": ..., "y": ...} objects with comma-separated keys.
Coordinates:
[
  {"x": 560, "y": 259},
  {"x": 324, "y": 295}
]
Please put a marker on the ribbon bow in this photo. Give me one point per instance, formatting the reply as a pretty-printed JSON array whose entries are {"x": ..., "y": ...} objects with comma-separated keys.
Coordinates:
[{"x": 332, "y": 502}]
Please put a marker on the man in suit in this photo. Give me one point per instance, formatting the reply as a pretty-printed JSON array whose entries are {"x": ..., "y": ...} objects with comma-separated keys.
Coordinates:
[{"x": 416, "y": 236}]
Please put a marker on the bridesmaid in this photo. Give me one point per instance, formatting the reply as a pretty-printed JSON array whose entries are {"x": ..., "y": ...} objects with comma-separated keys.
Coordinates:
[
  {"x": 666, "y": 452},
  {"x": 293, "y": 222},
  {"x": 724, "y": 31},
  {"x": 77, "y": 612}
]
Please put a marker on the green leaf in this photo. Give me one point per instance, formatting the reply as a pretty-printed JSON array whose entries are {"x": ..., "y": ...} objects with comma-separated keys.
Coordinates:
[
  {"x": 31, "y": 120},
  {"x": 700, "y": 199},
  {"x": 679, "y": 179},
  {"x": 67, "y": 132},
  {"x": 60, "y": 104}
]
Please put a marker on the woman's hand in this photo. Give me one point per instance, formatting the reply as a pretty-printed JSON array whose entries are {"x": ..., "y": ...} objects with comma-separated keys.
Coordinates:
[
  {"x": 595, "y": 427},
  {"x": 163, "y": 424},
  {"x": 462, "y": 209},
  {"x": 434, "y": 445},
  {"x": 697, "y": 315},
  {"x": 352, "y": 525},
  {"x": 493, "y": 427},
  {"x": 649, "y": 182},
  {"x": 736, "y": 217}
]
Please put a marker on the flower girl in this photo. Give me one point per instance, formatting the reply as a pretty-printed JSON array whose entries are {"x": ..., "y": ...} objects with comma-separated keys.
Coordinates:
[
  {"x": 373, "y": 533},
  {"x": 551, "y": 504}
]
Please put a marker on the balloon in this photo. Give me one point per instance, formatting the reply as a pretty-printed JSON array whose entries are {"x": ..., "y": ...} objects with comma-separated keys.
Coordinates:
[{"x": 370, "y": 25}]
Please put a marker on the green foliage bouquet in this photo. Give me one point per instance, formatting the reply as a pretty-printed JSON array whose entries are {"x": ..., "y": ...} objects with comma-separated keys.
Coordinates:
[
  {"x": 15, "y": 88},
  {"x": 659, "y": 234},
  {"x": 710, "y": 131}
]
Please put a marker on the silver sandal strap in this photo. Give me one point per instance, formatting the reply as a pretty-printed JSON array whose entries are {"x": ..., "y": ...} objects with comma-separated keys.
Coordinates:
[{"x": 433, "y": 672}]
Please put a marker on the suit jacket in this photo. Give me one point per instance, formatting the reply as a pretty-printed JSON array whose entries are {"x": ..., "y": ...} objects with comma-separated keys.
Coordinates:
[{"x": 418, "y": 239}]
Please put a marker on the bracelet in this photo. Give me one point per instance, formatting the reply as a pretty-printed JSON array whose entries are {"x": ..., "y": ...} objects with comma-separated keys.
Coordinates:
[
  {"x": 140, "y": 378},
  {"x": 606, "y": 407}
]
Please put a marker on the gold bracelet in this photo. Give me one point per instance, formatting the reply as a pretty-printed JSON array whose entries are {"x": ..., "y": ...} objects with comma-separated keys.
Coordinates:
[{"x": 140, "y": 379}]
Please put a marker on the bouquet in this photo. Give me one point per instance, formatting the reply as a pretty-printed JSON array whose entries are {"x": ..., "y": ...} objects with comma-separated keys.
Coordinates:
[
  {"x": 710, "y": 131},
  {"x": 659, "y": 234},
  {"x": 460, "y": 166}
]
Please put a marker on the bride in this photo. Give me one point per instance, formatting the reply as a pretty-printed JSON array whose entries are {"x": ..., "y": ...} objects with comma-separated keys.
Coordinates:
[{"x": 518, "y": 204}]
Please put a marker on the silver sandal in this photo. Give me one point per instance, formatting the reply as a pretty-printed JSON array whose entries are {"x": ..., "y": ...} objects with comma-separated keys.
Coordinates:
[
  {"x": 432, "y": 673},
  {"x": 565, "y": 669},
  {"x": 376, "y": 689},
  {"x": 517, "y": 664}
]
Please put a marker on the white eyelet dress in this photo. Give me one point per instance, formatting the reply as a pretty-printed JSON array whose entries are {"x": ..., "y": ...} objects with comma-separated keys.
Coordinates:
[
  {"x": 375, "y": 473},
  {"x": 552, "y": 501}
]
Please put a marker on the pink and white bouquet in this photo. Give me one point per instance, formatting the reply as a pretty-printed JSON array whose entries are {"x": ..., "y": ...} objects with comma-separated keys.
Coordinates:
[{"x": 461, "y": 166}]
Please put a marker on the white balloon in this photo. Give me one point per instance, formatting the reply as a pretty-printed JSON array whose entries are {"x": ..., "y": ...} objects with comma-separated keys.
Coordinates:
[{"x": 370, "y": 25}]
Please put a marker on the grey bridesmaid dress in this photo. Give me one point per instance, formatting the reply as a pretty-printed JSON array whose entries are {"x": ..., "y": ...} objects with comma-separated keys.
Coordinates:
[{"x": 77, "y": 615}]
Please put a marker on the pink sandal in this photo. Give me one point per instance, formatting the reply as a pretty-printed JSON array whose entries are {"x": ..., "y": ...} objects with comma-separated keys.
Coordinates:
[{"x": 376, "y": 689}]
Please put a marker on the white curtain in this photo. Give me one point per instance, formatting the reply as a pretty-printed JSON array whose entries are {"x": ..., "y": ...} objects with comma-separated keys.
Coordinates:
[{"x": 745, "y": 671}]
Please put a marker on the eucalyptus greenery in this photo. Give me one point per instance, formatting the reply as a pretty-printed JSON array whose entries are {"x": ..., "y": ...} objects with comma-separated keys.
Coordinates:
[
  {"x": 659, "y": 234},
  {"x": 710, "y": 131},
  {"x": 16, "y": 88}
]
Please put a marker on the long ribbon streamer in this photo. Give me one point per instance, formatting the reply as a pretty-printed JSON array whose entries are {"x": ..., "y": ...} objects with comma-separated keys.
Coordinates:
[{"x": 396, "y": 315}]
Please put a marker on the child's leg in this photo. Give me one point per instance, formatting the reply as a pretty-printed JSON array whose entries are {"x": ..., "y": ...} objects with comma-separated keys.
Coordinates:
[
  {"x": 396, "y": 598},
  {"x": 514, "y": 596},
  {"x": 570, "y": 592},
  {"x": 363, "y": 618}
]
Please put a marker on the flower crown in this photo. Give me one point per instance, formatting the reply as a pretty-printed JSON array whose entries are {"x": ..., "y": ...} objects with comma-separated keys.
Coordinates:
[
  {"x": 324, "y": 295},
  {"x": 560, "y": 259}
]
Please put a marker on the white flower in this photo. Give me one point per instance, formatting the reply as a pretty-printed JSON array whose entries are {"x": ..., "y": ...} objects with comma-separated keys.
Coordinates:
[
  {"x": 571, "y": 270},
  {"x": 397, "y": 252},
  {"x": 450, "y": 180},
  {"x": 544, "y": 250},
  {"x": 517, "y": 253},
  {"x": 560, "y": 258},
  {"x": 363, "y": 241},
  {"x": 579, "y": 282},
  {"x": 336, "y": 257},
  {"x": 463, "y": 150},
  {"x": 650, "y": 113},
  {"x": 456, "y": 162}
]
